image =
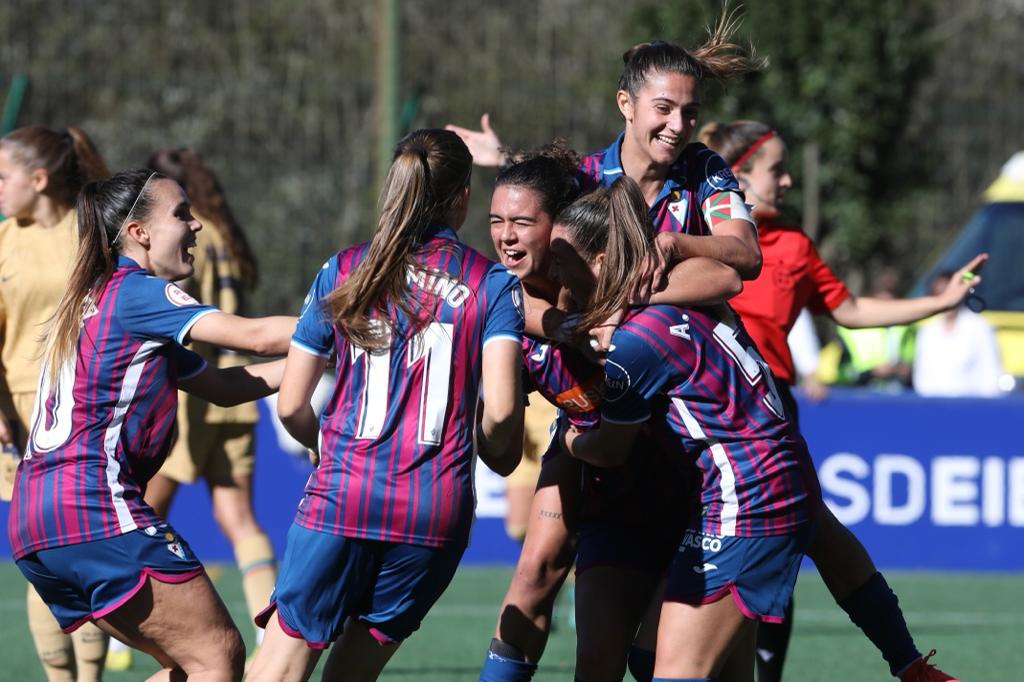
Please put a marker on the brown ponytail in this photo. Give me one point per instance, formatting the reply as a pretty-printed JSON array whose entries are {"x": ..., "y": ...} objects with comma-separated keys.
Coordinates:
[
  {"x": 104, "y": 206},
  {"x": 429, "y": 171},
  {"x": 189, "y": 169},
  {"x": 613, "y": 221},
  {"x": 70, "y": 159}
]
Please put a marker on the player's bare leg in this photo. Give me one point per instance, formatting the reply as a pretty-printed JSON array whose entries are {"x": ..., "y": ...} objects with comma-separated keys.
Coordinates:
[
  {"x": 544, "y": 562},
  {"x": 357, "y": 656},
  {"x": 610, "y": 603},
  {"x": 184, "y": 626},
  {"x": 254, "y": 555},
  {"x": 697, "y": 641},
  {"x": 281, "y": 657}
]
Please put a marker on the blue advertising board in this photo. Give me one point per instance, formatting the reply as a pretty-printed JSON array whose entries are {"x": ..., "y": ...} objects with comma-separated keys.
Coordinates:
[{"x": 924, "y": 483}]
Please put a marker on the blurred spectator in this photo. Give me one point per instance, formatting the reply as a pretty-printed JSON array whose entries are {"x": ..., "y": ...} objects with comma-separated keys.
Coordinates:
[
  {"x": 878, "y": 357},
  {"x": 956, "y": 353}
]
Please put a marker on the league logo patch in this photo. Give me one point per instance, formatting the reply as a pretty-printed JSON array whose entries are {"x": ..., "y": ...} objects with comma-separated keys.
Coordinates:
[
  {"x": 616, "y": 381},
  {"x": 720, "y": 178},
  {"x": 517, "y": 300},
  {"x": 178, "y": 297}
]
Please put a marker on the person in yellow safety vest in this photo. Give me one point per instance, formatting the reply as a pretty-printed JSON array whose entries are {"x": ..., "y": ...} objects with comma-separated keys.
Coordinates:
[{"x": 878, "y": 357}]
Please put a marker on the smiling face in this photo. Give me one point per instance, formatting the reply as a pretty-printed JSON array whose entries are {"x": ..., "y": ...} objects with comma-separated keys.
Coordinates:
[
  {"x": 521, "y": 232},
  {"x": 574, "y": 272},
  {"x": 19, "y": 187},
  {"x": 161, "y": 242},
  {"x": 661, "y": 118},
  {"x": 766, "y": 182}
]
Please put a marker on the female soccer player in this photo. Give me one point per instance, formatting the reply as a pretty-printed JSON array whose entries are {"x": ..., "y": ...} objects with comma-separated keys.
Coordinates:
[
  {"x": 659, "y": 95},
  {"x": 528, "y": 195},
  {"x": 101, "y": 426},
  {"x": 422, "y": 326},
  {"x": 215, "y": 442},
  {"x": 41, "y": 171},
  {"x": 794, "y": 276},
  {"x": 709, "y": 397}
]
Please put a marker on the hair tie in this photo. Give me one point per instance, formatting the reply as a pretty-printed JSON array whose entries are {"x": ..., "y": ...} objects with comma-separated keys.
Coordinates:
[{"x": 752, "y": 149}]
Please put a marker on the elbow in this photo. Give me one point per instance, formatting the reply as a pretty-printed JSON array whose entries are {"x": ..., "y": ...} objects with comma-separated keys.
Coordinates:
[
  {"x": 288, "y": 411},
  {"x": 735, "y": 285},
  {"x": 750, "y": 269}
]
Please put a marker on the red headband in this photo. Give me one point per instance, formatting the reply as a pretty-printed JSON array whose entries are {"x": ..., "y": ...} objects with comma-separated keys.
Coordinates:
[{"x": 752, "y": 149}]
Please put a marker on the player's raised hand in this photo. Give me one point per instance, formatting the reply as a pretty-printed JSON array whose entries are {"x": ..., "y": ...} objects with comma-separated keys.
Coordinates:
[
  {"x": 963, "y": 281},
  {"x": 483, "y": 144}
]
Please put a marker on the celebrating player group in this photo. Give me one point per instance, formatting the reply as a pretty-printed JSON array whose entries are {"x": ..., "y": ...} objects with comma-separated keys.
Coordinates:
[{"x": 631, "y": 288}]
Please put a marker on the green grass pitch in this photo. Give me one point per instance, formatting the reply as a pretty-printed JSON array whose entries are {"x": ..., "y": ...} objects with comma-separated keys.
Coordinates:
[{"x": 974, "y": 620}]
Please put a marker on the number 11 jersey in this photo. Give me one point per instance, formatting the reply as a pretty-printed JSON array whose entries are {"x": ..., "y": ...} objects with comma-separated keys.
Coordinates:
[{"x": 396, "y": 437}]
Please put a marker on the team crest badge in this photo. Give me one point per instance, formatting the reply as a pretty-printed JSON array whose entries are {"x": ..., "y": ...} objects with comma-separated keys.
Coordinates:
[
  {"x": 178, "y": 297},
  {"x": 677, "y": 207},
  {"x": 176, "y": 549}
]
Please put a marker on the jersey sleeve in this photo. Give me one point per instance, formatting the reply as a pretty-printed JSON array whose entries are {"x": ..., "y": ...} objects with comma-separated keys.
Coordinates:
[
  {"x": 504, "y": 316},
  {"x": 314, "y": 332},
  {"x": 633, "y": 374},
  {"x": 718, "y": 191},
  {"x": 189, "y": 363},
  {"x": 829, "y": 291},
  {"x": 152, "y": 308}
]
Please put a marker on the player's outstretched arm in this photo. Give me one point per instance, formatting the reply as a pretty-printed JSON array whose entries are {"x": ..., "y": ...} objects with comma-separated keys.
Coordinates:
[
  {"x": 483, "y": 144},
  {"x": 856, "y": 312},
  {"x": 235, "y": 385},
  {"x": 258, "y": 335},
  {"x": 499, "y": 434},
  {"x": 301, "y": 374}
]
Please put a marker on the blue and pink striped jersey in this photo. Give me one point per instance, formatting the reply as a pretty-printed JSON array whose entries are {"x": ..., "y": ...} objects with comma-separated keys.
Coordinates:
[
  {"x": 102, "y": 432},
  {"x": 698, "y": 377},
  {"x": 699, "y": 192},
  {"x": 396, "y": 437},
  {"x": 565, "y": 378},
  {"x": 649, "y": 488}
]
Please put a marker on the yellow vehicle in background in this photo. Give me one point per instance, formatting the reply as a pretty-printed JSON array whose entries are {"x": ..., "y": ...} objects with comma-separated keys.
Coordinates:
[{"x": 997, "y": 228}]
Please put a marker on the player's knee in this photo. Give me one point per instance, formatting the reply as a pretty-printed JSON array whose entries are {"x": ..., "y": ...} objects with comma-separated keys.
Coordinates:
[
  {"x": 539, "y": 573},
  {"x": 236, "y": 521}
]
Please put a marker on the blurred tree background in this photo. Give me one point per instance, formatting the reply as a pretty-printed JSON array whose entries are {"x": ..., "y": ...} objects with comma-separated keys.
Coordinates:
[{"x": 897, "y": 113}]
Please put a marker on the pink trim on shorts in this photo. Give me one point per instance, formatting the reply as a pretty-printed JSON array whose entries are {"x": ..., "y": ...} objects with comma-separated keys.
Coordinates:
[
  {"x": 263, "y": 618},
  {"x": 144, "y": 574},
  {"x": 730, "y": 588},
  {"x": 381, "y": 638}
]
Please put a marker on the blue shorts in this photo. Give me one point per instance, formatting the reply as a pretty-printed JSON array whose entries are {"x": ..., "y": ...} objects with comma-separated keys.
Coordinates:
[
  {"x": 87, "y": 580},
  {"x": 324, "y": 579},
  {"x": 759, "y": 572}
]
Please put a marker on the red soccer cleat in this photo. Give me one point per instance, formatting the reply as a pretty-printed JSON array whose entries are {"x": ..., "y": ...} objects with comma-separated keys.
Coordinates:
[{"x": 923, "y": 671}]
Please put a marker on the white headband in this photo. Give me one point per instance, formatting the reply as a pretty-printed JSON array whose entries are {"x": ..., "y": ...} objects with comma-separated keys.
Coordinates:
[{"x": 134, "y": 204}]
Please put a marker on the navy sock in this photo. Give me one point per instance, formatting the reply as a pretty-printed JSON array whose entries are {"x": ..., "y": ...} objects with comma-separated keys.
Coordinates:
[
  {"x": 641, "y": 664},
  {"x": 505, "y": 663},
  {"x": 874, "y": 608}
]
